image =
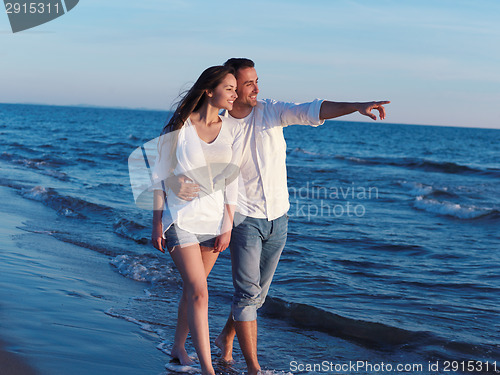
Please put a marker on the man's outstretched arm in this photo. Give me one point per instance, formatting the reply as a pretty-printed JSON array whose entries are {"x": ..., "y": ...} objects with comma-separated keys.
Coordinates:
[{"x": 330, "y": 110}]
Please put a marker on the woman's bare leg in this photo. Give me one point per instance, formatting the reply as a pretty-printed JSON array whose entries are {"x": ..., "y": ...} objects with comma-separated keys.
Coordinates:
[
  {"x": 181, "y": 333},
  {"x": 193, "y": 261}
]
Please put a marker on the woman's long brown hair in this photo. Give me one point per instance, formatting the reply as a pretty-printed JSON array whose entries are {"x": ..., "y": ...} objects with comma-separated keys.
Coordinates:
[
  {"x": 192, "y": 101},
  {"x": 196, "y": 96}
]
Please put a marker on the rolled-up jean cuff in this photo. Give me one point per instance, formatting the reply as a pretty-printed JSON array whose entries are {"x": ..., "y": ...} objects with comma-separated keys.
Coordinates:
[{"x": 244, "y": 314}]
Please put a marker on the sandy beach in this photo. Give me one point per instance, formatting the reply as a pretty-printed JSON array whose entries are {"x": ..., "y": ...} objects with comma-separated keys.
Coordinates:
[
  {"x": 54, "y": 297},
  {"x": 12, "y": 364}
]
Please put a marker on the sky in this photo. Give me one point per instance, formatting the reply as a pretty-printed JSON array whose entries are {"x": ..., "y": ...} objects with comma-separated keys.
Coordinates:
[{"x": 437, "y": 61}]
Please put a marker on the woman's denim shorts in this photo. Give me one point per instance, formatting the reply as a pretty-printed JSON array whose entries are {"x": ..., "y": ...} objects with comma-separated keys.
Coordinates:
[{"x": 176, "y": 236}]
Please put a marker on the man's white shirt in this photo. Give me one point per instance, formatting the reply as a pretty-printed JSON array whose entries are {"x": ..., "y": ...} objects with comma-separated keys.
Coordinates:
[{"x": 263, "y": 191}]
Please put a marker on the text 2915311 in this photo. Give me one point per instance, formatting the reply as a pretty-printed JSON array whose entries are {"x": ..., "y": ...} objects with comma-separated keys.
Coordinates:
[{"x": 33, "y": 8}]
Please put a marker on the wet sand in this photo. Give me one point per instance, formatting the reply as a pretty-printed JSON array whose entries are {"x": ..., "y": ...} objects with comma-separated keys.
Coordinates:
[
  {"x": 13, "y": 364},
  {"x": 53, "y": 302}
]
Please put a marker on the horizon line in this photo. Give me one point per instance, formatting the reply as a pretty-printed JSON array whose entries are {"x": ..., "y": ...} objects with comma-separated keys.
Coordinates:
[{"x": 167, "y": 111}]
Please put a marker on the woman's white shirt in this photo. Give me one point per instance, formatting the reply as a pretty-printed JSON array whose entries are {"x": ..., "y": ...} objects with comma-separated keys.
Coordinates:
[{"x": 213, "y": 166}]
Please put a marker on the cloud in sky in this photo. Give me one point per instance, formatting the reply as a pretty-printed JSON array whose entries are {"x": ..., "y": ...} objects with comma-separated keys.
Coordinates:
[{"x": 436, "y": 61}]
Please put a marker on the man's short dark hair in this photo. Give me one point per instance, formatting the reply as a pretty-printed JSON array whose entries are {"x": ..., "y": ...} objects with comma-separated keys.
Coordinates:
[{"x": 238, "y": 63}]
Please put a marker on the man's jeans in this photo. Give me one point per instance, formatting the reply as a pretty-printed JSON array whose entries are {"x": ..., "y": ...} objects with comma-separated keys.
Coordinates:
[{"x": 256, "y": 246}]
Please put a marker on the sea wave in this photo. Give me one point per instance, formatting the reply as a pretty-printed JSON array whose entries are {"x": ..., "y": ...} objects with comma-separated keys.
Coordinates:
[
  {"x": 145, "y": 268},
  {"x": 454, "y": 209},
  {"x": 63, "y": 204},
  {"x": 146, "y": 326},
  {"x": 14, "y": 184},
  {"x": 130, "y": 229},
  {"x": 432, "y": 199},
  {"x": 364, "y": 242},
  {"x": 56, "y": 174},
  {"x": 132, "y": 137},
  {"x": 418, "y": 189},
  {"x": 365, "y": 332},
  {"x": 15, "y": 159},
  {"x": 300, "y": 150},
  {"x": 422, "y": 164},
  {"x": 105, "y": 249},
  {"x": 314, "y": 318},
  {"x": 23, "y": 147},
  {"x": 40, "y": 164}
]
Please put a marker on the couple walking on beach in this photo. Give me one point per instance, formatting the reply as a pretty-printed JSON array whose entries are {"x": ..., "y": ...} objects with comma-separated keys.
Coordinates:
[{"x": 220, "y": 180}]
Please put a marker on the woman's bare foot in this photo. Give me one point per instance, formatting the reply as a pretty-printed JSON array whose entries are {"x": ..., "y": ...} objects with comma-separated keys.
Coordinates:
[
  {"x": 226, "y": 347},
  {"x": 181, "y": 355}
]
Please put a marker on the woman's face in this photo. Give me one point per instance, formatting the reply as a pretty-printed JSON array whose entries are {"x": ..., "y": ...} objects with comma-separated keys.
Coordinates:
[{"x": 224, "y": 94}]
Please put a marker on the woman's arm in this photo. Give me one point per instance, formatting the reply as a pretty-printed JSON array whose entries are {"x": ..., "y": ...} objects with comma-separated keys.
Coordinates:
[
  {"x": 157, "y": 233},
  {"x": 222, "y": 240}
]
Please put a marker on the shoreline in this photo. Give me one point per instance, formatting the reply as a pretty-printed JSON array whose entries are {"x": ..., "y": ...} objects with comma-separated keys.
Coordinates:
[
  {"x": 54, "y": 298},
  {"x": 12, "y": 363}
]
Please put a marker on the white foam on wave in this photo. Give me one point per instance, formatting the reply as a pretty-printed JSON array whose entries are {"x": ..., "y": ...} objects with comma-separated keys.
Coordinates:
[
  {"x": 144, "y": 326},
  {"x": 68, "y": 212},
  {"x": 41, "y": 194},
  {"x": 355, "y": 159},
  {"x": 449, "y": 208},
  {"x": 143, "y": 268},
  {"x": 303, "y": 151},
  {"x": 166, "y": 348},
  {"x": 176, "y": 367},
  {"x": 38, "y": 193},
  {"x": 417, "y": 189}
]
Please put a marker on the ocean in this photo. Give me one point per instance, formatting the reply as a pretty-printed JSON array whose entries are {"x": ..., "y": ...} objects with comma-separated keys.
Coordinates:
[{"x": 392, "y": 256}]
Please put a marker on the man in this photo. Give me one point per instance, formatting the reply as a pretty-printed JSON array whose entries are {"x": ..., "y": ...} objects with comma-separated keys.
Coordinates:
[{"x": 260, "y": 230}]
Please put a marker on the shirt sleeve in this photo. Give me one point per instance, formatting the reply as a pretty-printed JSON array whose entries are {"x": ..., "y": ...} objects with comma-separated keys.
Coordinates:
[
  {"x": 232, "y": 176},
  {"x": 300, "y": 113},
  {"x": 165, "y": 161}
]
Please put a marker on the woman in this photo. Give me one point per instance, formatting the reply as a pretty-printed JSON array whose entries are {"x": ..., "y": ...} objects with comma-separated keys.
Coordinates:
[{"x": 205, "y": 148}]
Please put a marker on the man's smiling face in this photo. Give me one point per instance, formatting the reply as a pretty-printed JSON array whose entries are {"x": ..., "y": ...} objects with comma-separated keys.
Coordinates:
[{"x": 248, "y": 87}]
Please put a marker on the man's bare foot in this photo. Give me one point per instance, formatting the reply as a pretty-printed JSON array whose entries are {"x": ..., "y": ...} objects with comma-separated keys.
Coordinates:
[
  {"x": 182, "y": 356},
  {"x": 226, "y": 347}
]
